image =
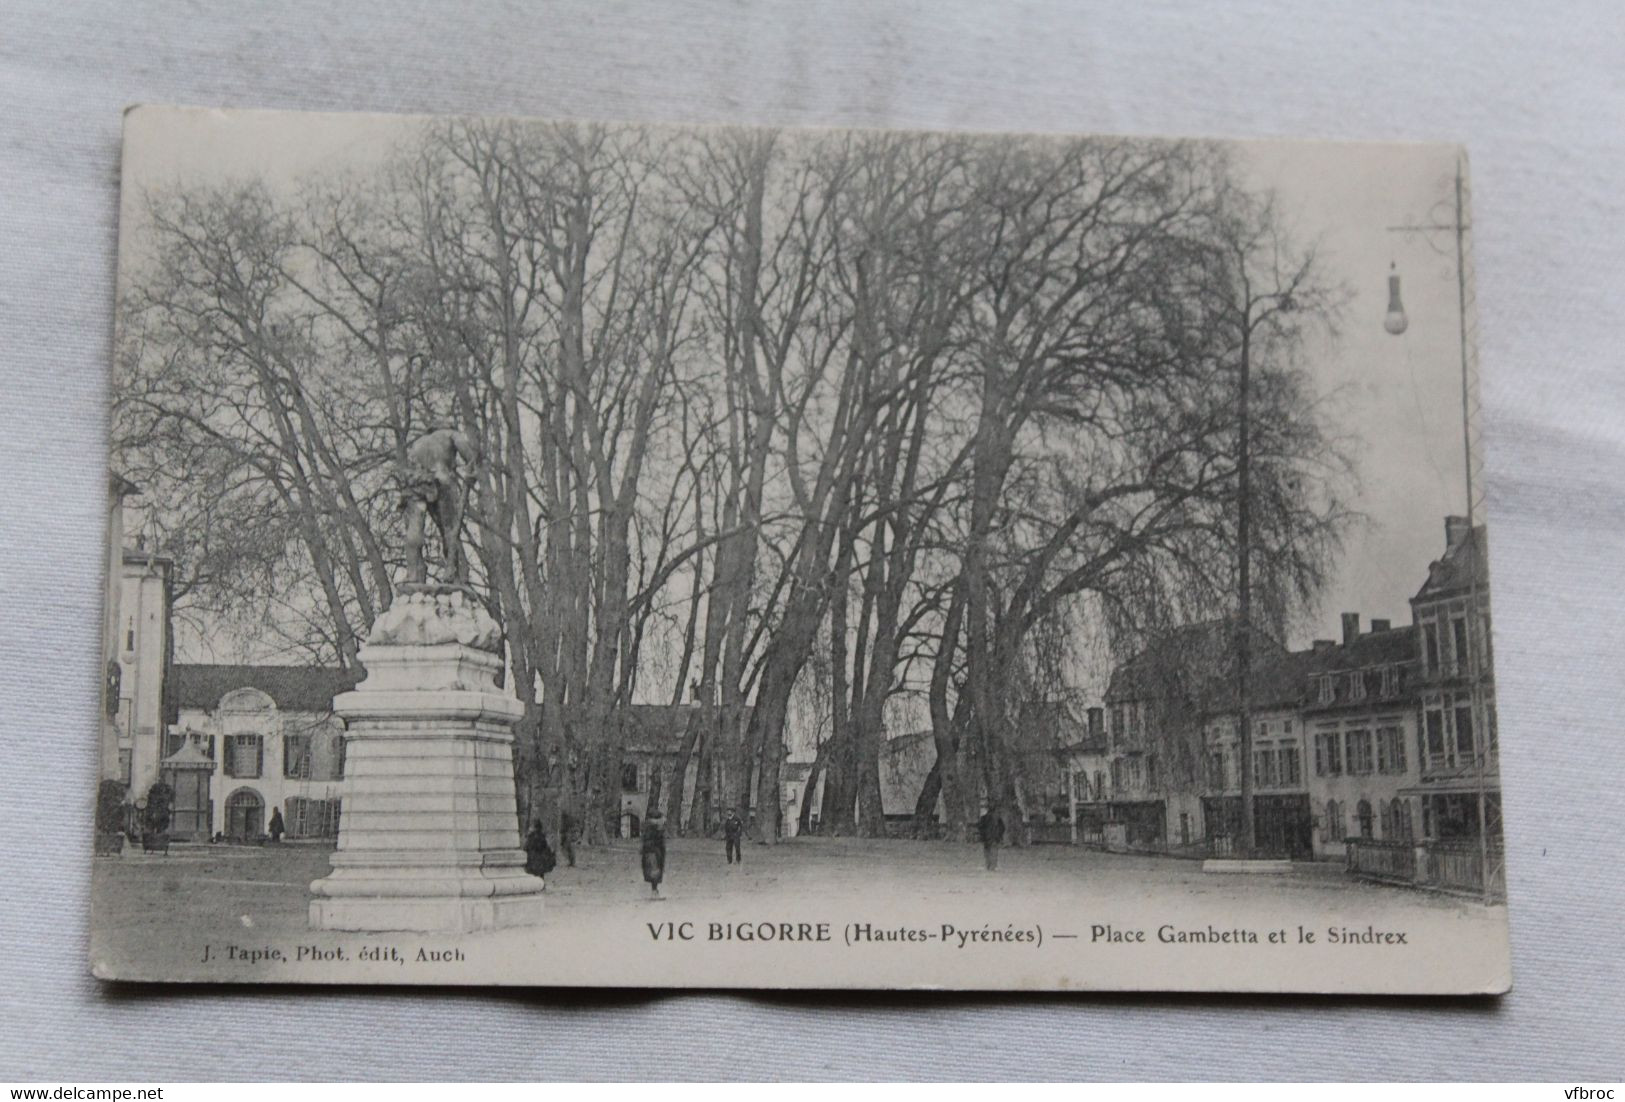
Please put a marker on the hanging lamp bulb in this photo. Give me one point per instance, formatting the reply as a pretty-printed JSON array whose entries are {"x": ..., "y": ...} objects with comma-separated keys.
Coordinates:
[{"x": 1396, "y": 322}]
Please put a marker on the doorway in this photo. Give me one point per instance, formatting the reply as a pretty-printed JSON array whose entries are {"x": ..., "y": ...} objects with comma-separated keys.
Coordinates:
[{"x": 245, "y": 815}]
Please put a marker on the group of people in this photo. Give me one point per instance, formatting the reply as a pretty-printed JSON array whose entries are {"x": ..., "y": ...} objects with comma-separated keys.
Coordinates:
[{"x": 541, "y": 860}]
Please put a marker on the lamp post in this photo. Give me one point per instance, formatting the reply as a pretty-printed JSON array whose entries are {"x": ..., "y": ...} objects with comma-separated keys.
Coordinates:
[
  {"x": 1244, "y": 594},
  {"x": 1255, "y": 310},
  {"x": 1396, "y": 322}
]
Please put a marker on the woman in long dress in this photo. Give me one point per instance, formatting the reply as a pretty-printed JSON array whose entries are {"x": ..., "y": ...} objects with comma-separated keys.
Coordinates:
[{"x": 654, "y": 851}]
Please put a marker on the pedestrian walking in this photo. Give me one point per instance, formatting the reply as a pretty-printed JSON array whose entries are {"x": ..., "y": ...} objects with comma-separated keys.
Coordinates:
[
  {"x": 991, "y": 829},
  {"x": 654, "y": 851},
  {"x": 278, "y": 827},
  {"x": 539, "y": 858},
  {"x": 733, "y": 830},
  {"x": 567, "y": 838}
]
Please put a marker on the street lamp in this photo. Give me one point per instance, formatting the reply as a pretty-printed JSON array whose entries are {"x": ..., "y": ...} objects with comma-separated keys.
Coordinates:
[{"x": 1396, "y": 323}]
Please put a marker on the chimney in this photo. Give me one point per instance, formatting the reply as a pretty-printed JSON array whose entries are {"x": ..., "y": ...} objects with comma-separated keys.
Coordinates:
[
  {"x": 1323, "y": 645},
  {"x": 1351, "y": 627},
  {"x": 1097, "y": 724},
  {"x": 1381, "y": 625},
  {"x": 1455, "y": 530}
]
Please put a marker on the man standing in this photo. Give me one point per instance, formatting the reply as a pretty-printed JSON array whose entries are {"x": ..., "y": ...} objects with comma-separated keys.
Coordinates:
[
  {"x": 653, "y": 852},
  {"x": 990, "y": 827},
  {"x": 733, "y": 829},
  {"x": 567, "y": 837}
]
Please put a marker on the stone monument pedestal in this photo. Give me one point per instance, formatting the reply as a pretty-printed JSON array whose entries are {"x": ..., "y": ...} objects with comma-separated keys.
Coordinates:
[{"x": 429, "y": 830}]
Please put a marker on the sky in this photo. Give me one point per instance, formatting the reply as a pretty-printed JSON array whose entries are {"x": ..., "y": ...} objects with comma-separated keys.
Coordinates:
[{"x": 1398, "y": 399}]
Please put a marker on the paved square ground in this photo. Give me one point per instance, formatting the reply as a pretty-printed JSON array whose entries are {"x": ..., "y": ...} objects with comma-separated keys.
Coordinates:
[{"x": 155, "y": 910}]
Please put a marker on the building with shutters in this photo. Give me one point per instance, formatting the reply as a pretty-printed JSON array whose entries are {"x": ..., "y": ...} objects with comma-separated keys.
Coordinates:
[
  {"x": 271, "y": 740},
  {"x": 1360, "y": 719}
]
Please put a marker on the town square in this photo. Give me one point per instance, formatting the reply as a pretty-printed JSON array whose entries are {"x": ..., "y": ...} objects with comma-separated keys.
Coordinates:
[{"x": 612, "y": 537}]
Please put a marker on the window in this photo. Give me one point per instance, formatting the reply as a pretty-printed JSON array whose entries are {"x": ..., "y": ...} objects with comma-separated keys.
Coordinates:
[
  {"x": 1264, "y": 767},
  {"x": 1360, "y": 758},
  {"x": 124, "y": 763},
  {"x": 296, "y": 757},
  {"x": 1390, "y": 750},
  {"x": 1117, "y": 724},
  {"x": 1291, "y": 766},
  {"x": 1435, "y": 736},
  {"x": 1464, "y": 731},
  {"x": 1117, "y": 775},
  {"x": 1390, "y": 681},
  {"x": 1363, "y": 813},
  {"x": 629, "y": 777},
  {"x": 1215, "y": 770},
  {"x": 245, "y": 755},
  {"x": 1100, "y": 785},
  {"x": 312, "y": 818},
  {"x": 1357, "y": 685},
  {"x": 1152, "y": 770},
  {"x": 1404, "y": 830},
  {"x": 1327, "y": 688},
  {"x": 1328, "y": 754},
  {"x": 1331, "y": 828},
  {"x": 1430, "y": 646},
  {"x": 129, "y": 634},
  {"x": 1458, "y": 639}
]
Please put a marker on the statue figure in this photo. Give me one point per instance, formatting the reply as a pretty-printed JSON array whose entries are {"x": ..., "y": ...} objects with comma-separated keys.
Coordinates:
[{"x": 432, "y": 486}]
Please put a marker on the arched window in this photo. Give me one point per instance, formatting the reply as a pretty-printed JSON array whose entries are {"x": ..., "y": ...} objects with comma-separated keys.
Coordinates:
[{"x": 1363, "y": 811}]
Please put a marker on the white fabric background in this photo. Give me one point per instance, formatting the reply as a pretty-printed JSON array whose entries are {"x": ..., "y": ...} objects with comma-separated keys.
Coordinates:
[{"x": 1536, "y": 90}]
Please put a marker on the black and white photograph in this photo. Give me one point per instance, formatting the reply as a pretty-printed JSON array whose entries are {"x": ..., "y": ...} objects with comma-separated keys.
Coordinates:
[{"x": 566, "y": 553}]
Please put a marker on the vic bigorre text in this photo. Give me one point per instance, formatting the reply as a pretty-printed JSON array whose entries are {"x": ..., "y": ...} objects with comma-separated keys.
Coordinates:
[{"x": 739, "y": 931}]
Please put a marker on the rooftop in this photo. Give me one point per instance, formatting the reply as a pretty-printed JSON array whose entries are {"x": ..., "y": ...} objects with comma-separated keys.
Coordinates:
[
  {"x": 293, "y": 688},
  {"x": 1464, "y": 561}
]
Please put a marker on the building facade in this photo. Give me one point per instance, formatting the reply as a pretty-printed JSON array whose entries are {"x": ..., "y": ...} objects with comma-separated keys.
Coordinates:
[
  {"x": 1458, "y": 783},
  {"x": 1171, "y": 717},
  {"x": 140, "y": 658},
  {"x": 1282, "y": 808},
  {"x": 271, "y": 741},
  {"x": 1360, "y": 717}
]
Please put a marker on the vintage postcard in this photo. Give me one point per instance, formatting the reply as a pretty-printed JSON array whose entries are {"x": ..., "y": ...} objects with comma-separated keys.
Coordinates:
[{"x": 555, "y": 553}]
